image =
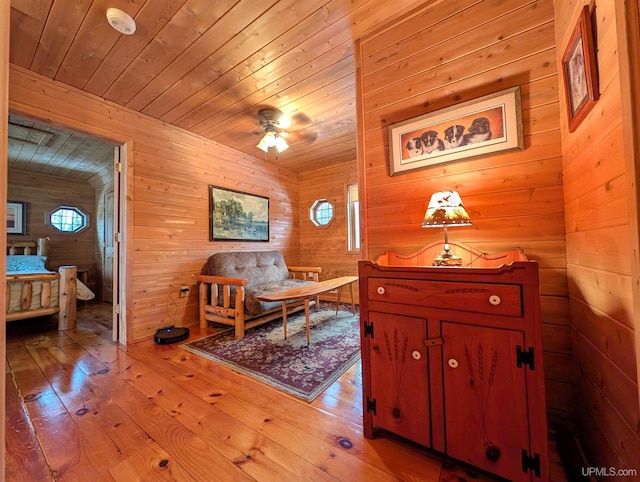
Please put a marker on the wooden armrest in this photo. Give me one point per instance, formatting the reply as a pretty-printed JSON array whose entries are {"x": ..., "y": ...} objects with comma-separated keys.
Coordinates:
[
  {"x": 306, "y": 269},
  {"x": 222, "y": 280}
]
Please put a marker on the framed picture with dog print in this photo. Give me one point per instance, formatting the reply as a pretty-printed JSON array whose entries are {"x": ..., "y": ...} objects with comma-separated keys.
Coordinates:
[
  {"x": 580, "y": 72},
  {"x": 480, "y": 126}
]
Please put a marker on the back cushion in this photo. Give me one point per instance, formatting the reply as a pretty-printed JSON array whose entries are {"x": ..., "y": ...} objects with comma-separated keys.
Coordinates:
[{"x": 257, "y": 267}]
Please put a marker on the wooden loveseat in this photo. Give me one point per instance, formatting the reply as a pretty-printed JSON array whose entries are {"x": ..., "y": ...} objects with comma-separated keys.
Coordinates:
[{"x": 232, "y": 281}]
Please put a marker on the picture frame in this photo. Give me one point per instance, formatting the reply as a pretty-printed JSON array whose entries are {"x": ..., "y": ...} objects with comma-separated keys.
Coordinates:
[
  {"x": 237, "y": 216},
  {"x": 580, "y": 71},
  {"x": 488, "y": 124},
  {"x": 16, "y": 217}
]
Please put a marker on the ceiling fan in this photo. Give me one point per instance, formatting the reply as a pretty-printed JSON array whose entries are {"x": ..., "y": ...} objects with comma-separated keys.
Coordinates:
[
  {"x": 272, "y": 121},
  {"x": 279, "y": 130}
]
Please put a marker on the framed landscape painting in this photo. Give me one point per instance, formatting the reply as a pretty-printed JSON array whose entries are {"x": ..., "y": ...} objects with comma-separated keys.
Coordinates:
[{"x": 238, "y": 216}]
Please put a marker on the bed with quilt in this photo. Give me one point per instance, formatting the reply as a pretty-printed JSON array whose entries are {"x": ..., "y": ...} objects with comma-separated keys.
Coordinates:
[{"x": 33, "y": 290}]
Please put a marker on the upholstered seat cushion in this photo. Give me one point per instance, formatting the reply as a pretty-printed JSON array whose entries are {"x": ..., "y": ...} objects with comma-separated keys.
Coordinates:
[{"x": 254, "y": 306}]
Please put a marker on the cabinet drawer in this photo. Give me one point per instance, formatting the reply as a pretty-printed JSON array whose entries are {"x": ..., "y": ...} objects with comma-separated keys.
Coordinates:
[{"x": 497, "y": 299}]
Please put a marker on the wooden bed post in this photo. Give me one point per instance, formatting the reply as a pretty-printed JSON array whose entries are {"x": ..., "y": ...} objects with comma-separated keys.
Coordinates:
[{"x": 67, "y": 302}]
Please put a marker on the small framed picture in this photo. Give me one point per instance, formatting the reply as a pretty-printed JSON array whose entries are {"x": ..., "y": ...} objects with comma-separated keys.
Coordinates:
[
  {"x": 16, "y": 217},
  {"x": 580, "y": 72}
]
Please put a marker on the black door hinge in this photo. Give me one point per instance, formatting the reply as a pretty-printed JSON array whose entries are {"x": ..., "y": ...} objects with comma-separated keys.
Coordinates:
[
  {"x": 371, "y": 405},
  {"x": 531, "y": 463},
  {"x": 368, "y": 329},
  {"x": 525, "y": 357}
]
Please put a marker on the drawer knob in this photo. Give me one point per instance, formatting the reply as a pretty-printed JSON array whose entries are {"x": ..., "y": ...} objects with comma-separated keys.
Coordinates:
[
  {"x": 380, "y": 290},
  {"x": 453, "y": 363},
  {"x": 416, "y": 355},
  {"x": 495, "y": 300}
]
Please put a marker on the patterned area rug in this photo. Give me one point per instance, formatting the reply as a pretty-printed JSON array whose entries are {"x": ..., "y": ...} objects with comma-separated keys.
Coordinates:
[{"x": 290, "y": 365}]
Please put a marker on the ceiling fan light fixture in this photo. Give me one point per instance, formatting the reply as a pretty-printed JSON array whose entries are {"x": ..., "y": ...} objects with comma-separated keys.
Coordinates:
[
  {"x": 121, "y": 21},
  {"x": 281, "y": 144},
  {"x": 270, "y": 121},
  {"x": 269, "y": 140}
]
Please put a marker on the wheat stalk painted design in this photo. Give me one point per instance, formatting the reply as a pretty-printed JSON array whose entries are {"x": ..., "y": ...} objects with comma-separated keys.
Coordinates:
[
  {"x": 480, "y": 386},
  {"x": 397, "y": 358}
]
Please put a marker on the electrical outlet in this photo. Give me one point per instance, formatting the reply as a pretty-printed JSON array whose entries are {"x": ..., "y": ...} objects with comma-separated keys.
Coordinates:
[{"x": 184, "y": 291}]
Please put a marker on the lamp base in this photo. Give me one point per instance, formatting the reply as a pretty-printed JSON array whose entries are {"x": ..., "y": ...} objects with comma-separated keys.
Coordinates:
[
  {"x": 447, "y": 258},
  {"x": 452, "y": 261}
]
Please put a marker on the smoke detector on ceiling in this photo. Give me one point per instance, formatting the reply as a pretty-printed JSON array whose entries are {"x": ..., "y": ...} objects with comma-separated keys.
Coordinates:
[{"x": 121, "y": 21}]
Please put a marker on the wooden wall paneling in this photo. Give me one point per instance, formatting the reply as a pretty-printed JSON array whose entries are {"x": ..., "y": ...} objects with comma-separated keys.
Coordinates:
[
  {"x": 604, "y": 291},
  {"x": 600, "y": 245},
  {"x": 605, "y": 432},
  {"x": 328, "y": 246},
  {"x": 174, "y": 164},
  {"x": 43, "y": 194},
  {"x": 607, "y": 410},
  {"x": 612, "y": 338},
  {"x": 514, "y": 198},
  {"x": 604, "y": 248}
]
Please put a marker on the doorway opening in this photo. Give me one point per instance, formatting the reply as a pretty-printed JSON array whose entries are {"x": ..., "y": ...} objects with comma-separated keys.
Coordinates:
[{"x": 52, "y": 166}]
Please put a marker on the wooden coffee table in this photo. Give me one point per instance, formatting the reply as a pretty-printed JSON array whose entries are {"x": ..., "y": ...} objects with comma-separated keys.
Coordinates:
[{"x": 307, "y": 292}]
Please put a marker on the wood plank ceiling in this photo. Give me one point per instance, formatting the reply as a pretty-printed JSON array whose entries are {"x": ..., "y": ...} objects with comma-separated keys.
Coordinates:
[{"x": 210, "y": 66}]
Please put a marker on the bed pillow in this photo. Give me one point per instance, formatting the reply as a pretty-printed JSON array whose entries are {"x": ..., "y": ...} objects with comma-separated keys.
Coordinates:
[{"x": 26, "y": 263}]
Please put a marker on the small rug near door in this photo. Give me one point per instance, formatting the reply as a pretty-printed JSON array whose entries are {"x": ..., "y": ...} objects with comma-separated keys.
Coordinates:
[{"x": 290, "y": 365}]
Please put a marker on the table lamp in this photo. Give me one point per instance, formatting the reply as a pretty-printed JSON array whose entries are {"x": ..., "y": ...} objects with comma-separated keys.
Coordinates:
[{"x": 446, "y": 209}]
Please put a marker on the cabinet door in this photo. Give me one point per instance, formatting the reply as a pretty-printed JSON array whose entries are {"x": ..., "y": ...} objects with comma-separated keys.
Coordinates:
[
  {"x": 399, "y": 376},
  {"x": 485, "y": 398}
]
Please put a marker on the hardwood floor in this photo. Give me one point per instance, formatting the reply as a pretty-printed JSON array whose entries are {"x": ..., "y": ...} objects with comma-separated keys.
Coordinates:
[{"x": 79, "y": 407}]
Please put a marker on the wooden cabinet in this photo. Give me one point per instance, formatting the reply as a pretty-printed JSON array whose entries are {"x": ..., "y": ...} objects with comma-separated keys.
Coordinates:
[{"x": 452, "y": 360}]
